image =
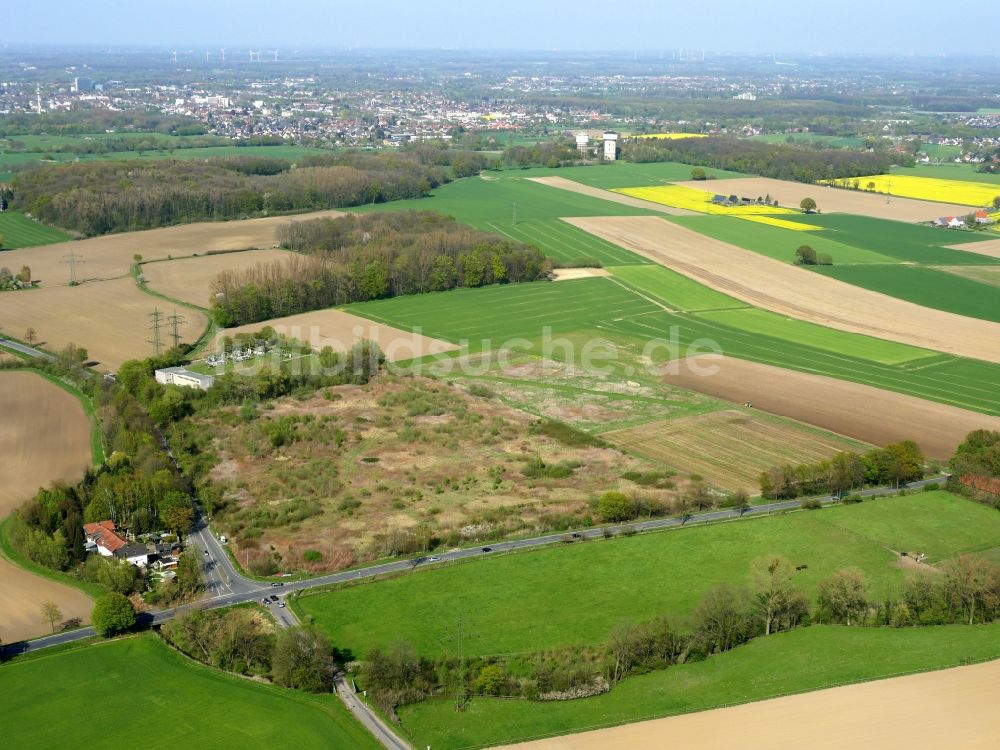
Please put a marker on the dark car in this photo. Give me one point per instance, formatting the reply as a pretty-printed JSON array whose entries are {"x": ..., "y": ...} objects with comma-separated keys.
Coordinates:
[
  {"x": 277, "y": 583},
  {"x": 576, "y": 535},
  {"x": 487, "y": 549},
  {"x": 274, "y": 597}
]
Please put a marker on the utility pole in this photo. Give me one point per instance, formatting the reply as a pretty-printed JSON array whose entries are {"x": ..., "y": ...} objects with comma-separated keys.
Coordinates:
[
  {"x": 72, "y": 259},
  {"x": 156, "y": 317},
  {"x": 515, "y": 213},
  {"x": 175, "y": 320}
]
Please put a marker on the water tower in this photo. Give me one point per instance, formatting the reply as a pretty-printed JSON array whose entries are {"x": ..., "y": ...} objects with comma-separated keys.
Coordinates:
[{"x": 610, "y": 146}]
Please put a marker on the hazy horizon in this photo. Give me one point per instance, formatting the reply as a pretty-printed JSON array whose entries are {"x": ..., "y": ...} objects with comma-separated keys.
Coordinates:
[{"x": 725, "y": 26}]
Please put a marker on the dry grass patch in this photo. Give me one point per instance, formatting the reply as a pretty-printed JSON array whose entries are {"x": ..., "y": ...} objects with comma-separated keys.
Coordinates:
[
  {"x": 990, "y": 248},
  {"x": 984, "y": 274},
  {"x": 109, "y": 318},
  {"x": 190, "y": 279},
  {"x": 729, "y": 448}
]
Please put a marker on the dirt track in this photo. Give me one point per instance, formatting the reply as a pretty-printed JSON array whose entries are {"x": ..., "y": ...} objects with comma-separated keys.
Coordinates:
[
  {"x": 783, "y": 288},
  {"x": 606, "y": 195},
  {"x": 832, "y": 200},
  {"x": 44, "y": 437},
  {"x": 952, "y": 708},
  {"x": 858, "y": 411},
  {"x": 990, "y": 248},
  {"x": 110, "y": 256},
  {"x": 190, "y": 279}
]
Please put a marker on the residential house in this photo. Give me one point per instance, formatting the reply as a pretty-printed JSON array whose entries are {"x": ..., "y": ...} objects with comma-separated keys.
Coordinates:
[
  {"x": 134, "y": 554},
  {"x": 104, "y": 538}
]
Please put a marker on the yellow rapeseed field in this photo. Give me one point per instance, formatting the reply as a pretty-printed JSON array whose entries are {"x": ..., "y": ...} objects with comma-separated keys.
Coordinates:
[
  {"x": 692, "y": 199},
  {"x": 671, "y": 136},
  {"x": 783, "y": 223},
  {"x": 925, "y": 188}
]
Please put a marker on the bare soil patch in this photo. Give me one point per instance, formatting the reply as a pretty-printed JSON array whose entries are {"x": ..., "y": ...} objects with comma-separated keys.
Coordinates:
[
  {"x": 832, "y": 200},
  {"x": 606, "y": 195},
  {"x": 984, "y": 274},
  {"x": 44, "y": 437},
  {"x": 109, "y": 318},
  {"x": 729, "y": 448},
  {"x": 859, "y": 411},
  {"x": 111, "y": 256},
  {"x": 989, "y": 248},
  {"x": 190, "y": 279},
  {"x": 568, "y": 274},
  {"x": 340, "y": 330},
  {"x": 787, "y": 289},
  {"x": 952, "y": 708}
]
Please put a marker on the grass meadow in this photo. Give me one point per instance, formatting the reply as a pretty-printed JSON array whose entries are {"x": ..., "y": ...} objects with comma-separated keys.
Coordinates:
[
  {"x": 140, "y": 687},
  {"x": 812, "y": 658},
  {"x": 17, "y": 230},
  {"x": 948, "y": 171},
  {"x": 575, "y": 594}
]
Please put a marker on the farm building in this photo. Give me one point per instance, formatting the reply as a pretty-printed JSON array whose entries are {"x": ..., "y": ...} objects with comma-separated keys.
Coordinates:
[
  {"x": 184, "y": 378},
  {"x": 103, "y": 538}
]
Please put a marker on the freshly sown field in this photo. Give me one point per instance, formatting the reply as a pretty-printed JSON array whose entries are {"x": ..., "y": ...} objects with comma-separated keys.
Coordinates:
[
  {"x": 648, "y": 202},
  {"x": 17, "y": 230},
  {"x": 109, "y": 318},
  {"x": 575, "y": 594},
  {"x": 928, "y": 287},
  {"x": 983, "y": 274},
  {"x": 561, "y": 241},
  {"x": 340, "y": 330},
  {"x": 896, "y": 714},
  {"x": 111, "y": 256},
  {"x": 858, "y": 411},
  {"x": 591, "y": 309},
  {"x": 778, "y": 242},
  {"x": 699, "y": 201},
  {"x": 909, "y": 243},
  {"x": 190, "y": 279},
  {"x": 987, "y": 248},
  {"x": 962, "y": 192},
  {"x": 795, "y": 292},
  {"x": 200, "y": 705},
  {"x": 831, "y": 199},
  {"x": 676, "y": 291},
  {"x": 729, "y": 448},
  {"x": 44, "y": 438}
]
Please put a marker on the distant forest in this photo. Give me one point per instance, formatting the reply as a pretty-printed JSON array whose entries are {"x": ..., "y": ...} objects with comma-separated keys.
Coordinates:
[
  {"x": 782, "y": 161},
  {"x": 358, "y": 258},
  {"x": 103, "y": 197},
  {"x": 83, "y": 122}
]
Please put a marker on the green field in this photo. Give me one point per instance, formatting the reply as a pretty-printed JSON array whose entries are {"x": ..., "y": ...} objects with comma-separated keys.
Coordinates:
[
  {"x": 18, "y": 230},
  {"x": 810, "y": 658},
  {"x": 140, "y": 688},
  {"x": 766, "y": 323},
  {"x": 776, "y": 242},
  {"x": 674, "y": 290},
  {"x": 949, "y": 172},
  {"x": 561, "y": 596},
  {"x": 561, "y": 241},
  {"x": 620, "y": 174},
  {"x": 939, "y": 151},
  {"x": 592, "y": 308},
  {"x": 924, "y": 286},
  {"x": 833, "y": 141},
  {"x": 911, "y": 243}
]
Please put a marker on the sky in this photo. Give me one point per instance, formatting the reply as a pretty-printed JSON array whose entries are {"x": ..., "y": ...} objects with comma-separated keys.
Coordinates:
[{"x": 762, "y": 26}]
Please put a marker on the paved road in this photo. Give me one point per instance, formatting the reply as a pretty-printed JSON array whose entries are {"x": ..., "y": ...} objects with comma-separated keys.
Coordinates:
[{"x": 18, "y": 347}]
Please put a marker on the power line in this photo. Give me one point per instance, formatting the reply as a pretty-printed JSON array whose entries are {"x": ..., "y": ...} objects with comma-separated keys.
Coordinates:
[
  {"x": 175, "y": 320},
  {"x": 72, "y": 259},
  {"x": 156, "y": 317}
]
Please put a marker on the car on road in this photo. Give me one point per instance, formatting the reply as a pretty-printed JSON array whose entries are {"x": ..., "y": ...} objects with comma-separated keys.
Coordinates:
[
  {"x": 206, "y": 552},
  {"x": 264, "y": 601},
  {"x": 274, "y": 597},
  {"x": 275, "y": 584},
  {"x": 576, "y": 535},
  {"x": 435, "y": 558},
  {"x": 487, "y": 549},
  {"x": 281, "y": 604}
]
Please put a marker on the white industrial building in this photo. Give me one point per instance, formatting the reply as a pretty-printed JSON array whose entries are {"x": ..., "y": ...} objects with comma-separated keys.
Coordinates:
[
  {"x": 610, "y": 146},
  {"x": 184, "y": 378}
]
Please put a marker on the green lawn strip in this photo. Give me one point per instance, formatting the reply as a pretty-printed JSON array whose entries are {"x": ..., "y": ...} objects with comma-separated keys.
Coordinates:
[
  {"x": 768, "y": 323},
  {"x": 18, "y": 230},
  {"x": 812, "y": 658},
  {"x": 911, "y": 243},
  {"x": 676, "y": 291},
  {"x": 574, "y": 594},
  {"x": 561, "y": 241},
  {"x": 7, "y": 549},
  {"x": 201, "y": 706},
  {"x": 622, "y": 174},
  {"x": 777, "y": 242},
  {"x": 834, "y": 141},
  {"x": 964, "y": 172},
  {"x": 924, "y": 286}
]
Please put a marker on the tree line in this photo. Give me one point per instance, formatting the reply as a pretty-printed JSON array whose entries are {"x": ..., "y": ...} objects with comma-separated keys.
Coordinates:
[
  {"x": 975, "y": 467},
  {"x": 102, "y": 197},
  {"x": 357, "y": 258},
  {"x": 554, "y": 153},
  {"x": 781, "y": 161},
  {"x": 895, "y": 464},
  {"x": 769, "y": 601},
  {"x": 83, "y": 122}
]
